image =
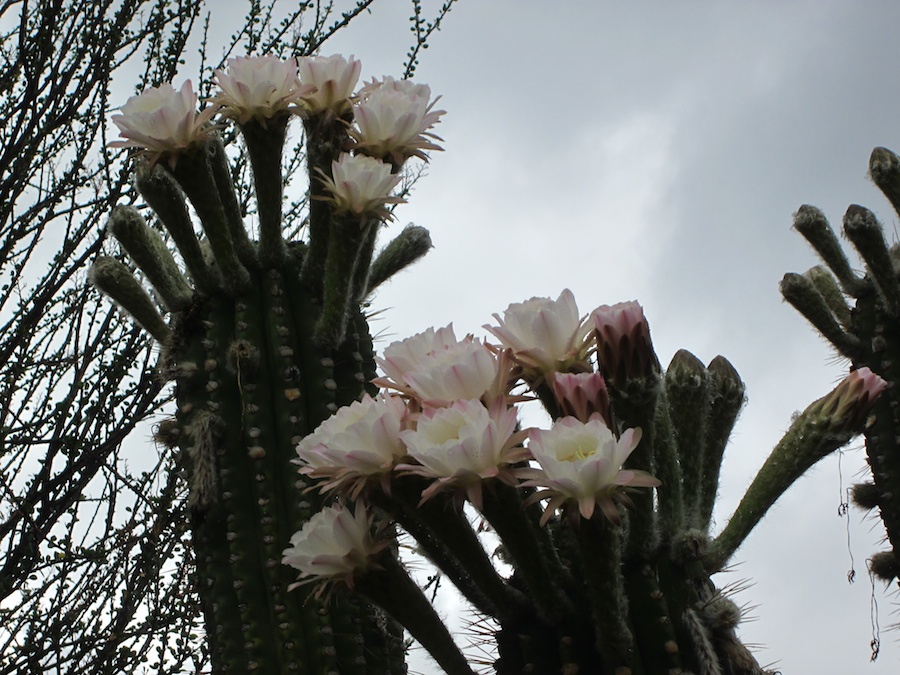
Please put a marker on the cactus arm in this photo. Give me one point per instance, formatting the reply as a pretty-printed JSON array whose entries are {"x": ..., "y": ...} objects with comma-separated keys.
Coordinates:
[
  {"x": 813, "y": 435},
  {"x": 688, "y": 386},
  {"x": 812, "y": 224},
  {"x": 230, "y": 207},
  {"x": 116, "y": 281},
  {"x": 194, "y": 174},
  {"x": 164, "y": 196},
  {"x": 727, "y": 402},
  {"x": 806, "y": 299},
  {"x": 148, "y": 250},
  {"x": 265, "y": 144},
  {"x": 394, "y": 590}
]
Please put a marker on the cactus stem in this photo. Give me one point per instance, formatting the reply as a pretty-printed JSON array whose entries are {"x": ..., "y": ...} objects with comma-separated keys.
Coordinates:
[
  {"x": 116, "y": 281},
  {"x": 410, "y": 245},
  {"x": 800, "y": 292},
  {"x": 813, "y": 435},
  {"x": 265, "y": 144},
  {"x": 884, "y": 169},
  {"x": 812, "y": 224},
  {"x": 149, "y": 252},
  {"x": 194, "y": 173},
  {"x": 166, "y": 199},
  {"x": 393, "y": 590},
  {"x": 867, "y": 235},
  {"x": 600, "y": 544}
]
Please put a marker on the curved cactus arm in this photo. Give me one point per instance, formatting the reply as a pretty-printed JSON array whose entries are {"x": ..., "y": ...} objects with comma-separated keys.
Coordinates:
[{"x": 826, "y": 425}]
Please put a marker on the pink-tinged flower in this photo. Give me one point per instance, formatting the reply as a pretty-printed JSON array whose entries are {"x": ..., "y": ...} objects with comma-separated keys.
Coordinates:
[
  {"x": 582, "y": 395},
  {"x": 392, "y": 120},
  {"x": 852, "y": 400},
  {"x": 581, "y": 464},
  {"x": 361, "y": 185},
  {"x": 464, "y": 370},
  {"x": 332, "y": 546},
  {"x": 334, "y": 78},
  {"x": 462, "y": 445},
  {"x": 357, "y": 444},
  {"x": 161, "y": 120},
  {"x": 403, "y": 356},
  {"x": 624, "y": 348},
  {"x": 545, "y": 335},
  {"x": 258, "y": 86}
]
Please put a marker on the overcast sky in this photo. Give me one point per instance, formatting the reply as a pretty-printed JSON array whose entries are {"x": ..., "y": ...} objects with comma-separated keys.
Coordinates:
[{"x": 656, "y": 151}]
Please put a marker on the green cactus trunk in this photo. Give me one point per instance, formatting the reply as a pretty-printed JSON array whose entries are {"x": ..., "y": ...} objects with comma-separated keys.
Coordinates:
[
  {"x": 251, "y": 380},
  {"x": 250, "y": 385}
]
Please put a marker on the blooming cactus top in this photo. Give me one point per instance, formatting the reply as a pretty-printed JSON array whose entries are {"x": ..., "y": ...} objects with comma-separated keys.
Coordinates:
[
  {"x": 162, "y": 120},
  {"x": 582, "y": 463},
  {"x": 334, "y": 78},
  {"x": 333, "y": 545},
  {"x": 393, "y": 119},
  {"x": 545, "y": 335},
  {"x": 259, "y": 86}
]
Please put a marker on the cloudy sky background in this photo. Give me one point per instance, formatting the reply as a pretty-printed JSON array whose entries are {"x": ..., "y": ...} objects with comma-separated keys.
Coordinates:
[{"x": 656, "y": 151}]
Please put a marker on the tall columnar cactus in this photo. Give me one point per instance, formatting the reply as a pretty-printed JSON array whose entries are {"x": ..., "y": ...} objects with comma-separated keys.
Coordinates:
[
  {"x": 264, "y": 339},
  {"x": 868, "y": 334},
  {"x": 274, "y": 366}
]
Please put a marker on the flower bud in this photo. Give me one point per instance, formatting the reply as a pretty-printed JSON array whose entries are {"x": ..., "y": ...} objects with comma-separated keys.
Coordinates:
[
  {"x": 624, "y": 348},
  {"x": 581, "y": 395},
  {"x": 848, "y": 406}
]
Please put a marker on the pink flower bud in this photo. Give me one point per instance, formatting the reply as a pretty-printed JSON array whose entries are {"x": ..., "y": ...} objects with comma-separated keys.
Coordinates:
[
  {"x": 853, "y": 399},
  {"x": 624, "y": 348},
  {"x": 582, "y": 395}
]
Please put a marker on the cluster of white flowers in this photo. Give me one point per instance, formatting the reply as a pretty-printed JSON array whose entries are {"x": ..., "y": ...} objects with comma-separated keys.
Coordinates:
[
  {"x": 388, "y": 121},
  {"x": 447, "y": 414}
]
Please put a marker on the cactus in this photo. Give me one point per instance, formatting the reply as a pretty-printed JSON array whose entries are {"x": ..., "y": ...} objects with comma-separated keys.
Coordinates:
[
  {"x": 254, "y": 372},
  {"x": 273, "y": 364},
  {"x": 868, "y": 334}
]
